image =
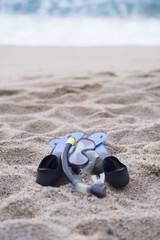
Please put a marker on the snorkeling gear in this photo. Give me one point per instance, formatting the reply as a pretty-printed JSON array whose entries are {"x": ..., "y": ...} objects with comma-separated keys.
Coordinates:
[
  {"x": 116, "y": 173},
  {"x": 98, "y": 189},
  {"x": 85, "y": 154},
  {"x": 50, "y": 169},
  {"x": 57, "y": 144}
]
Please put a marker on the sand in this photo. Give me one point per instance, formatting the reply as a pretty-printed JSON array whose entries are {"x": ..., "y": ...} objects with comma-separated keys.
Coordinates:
[{"x": 48, "y": 92}]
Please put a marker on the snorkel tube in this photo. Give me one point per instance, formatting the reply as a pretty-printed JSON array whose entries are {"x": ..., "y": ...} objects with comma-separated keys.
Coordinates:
[{"x": 98, "y": 189}]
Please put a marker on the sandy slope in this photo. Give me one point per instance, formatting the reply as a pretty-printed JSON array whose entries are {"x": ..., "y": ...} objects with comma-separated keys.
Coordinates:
[{"x": 120, "y": 100}]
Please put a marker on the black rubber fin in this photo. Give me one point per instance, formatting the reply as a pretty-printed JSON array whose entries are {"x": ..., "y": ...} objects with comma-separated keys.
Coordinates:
[
  {"x": 116, "y": 173},
  {"x": 49, "y": 170}
]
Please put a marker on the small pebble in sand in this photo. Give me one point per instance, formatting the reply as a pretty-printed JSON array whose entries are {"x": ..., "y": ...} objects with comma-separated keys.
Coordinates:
[{"x": 108, "y": 231}]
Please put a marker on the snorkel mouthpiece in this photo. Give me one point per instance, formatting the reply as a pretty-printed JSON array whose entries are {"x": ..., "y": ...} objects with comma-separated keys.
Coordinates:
[{"x": 98, "y": 189}]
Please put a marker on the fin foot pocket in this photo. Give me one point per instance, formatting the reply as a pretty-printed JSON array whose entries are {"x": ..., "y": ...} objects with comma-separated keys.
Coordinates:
[
  {"x": 49, "y": 170},
  {"x": 116, "y": 173}
]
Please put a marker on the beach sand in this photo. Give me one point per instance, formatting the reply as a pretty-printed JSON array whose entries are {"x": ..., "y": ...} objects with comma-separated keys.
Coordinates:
[{"x": 48, "y": 92}]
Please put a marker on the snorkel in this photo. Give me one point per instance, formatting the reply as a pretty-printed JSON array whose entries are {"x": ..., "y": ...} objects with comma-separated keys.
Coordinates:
[{"x": 98, "y": 189}]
